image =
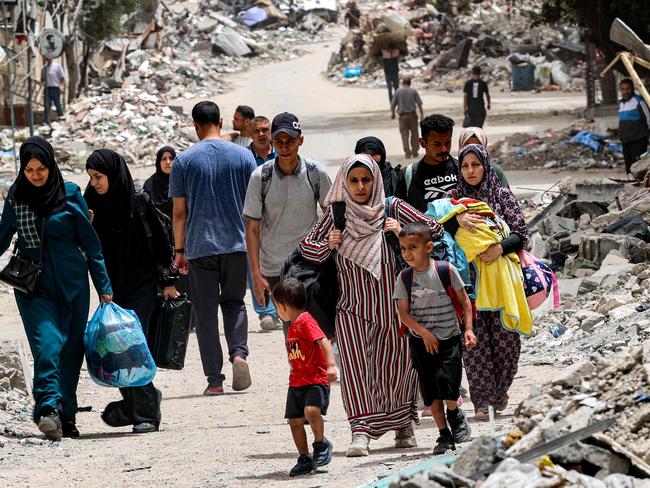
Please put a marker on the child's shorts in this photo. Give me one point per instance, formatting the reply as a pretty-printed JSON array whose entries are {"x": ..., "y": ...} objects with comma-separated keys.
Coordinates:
[
  {"x": 440, "y": 374},
  {"x": 299, "y": 397}
]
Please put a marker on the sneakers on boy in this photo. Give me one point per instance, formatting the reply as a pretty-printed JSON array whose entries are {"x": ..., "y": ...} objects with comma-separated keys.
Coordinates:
[
  {"x": 322, "y": 452},
  {"x": 405, "y": 438},
  {"x": 460, "y": 429},
  {"x": 305, "y": 465},
  {"x": 444, "y": 442},
  {"x": 359, "y": 446},
  {"x": 50, "y": 424}
]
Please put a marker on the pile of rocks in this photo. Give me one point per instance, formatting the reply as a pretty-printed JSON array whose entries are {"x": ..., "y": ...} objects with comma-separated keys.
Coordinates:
[
  {"x": 440, "y": 44},
  {"x": 612, "y": 316},
  {"x": 199, "y": 42},
  {"x": 576, "y": 147},
  {"x": 15, "y": 399},
  {"x": 610, "y": 389},
  {"x": 130, "y": 120}
]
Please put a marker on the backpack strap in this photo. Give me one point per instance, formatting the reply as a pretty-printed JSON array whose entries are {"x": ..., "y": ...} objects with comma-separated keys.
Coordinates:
[
  {"x": 442, "y": 268},
  {"x": 407, "y": 278},
  {"x": 267, "y": 175},
  {"x": 408, "y": 177},
  {"x": 313, "y": 177}
]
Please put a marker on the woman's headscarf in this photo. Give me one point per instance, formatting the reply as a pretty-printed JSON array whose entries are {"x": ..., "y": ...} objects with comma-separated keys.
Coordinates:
[
  {"x": 160, "y": 180},
  {"x": 373, "y": 144},
  {"x": 470, "y": 132},
  {"x": 488, "y": 189},
  {"x": 44, "y": 200},
  {"x": 114, "y": 209},
  {"x": 362, "y": 236}
]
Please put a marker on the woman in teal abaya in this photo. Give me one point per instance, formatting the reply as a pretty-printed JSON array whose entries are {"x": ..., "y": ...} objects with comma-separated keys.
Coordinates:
[{"x": 39, "y": 204}]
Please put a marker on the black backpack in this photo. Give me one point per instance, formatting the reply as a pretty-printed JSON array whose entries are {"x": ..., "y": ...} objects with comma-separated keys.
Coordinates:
[{"x": 321, "y": 280}]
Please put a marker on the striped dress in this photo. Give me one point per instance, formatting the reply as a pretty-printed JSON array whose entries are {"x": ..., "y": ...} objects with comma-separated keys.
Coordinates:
[{"x": 378, "y": 383}]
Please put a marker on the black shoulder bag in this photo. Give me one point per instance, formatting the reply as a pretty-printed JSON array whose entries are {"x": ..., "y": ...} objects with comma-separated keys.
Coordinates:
[{"x": 22, "y": 272}]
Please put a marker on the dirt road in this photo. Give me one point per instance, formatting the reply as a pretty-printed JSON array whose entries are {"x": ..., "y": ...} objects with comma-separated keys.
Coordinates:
[{"x": 242, "y": 439}]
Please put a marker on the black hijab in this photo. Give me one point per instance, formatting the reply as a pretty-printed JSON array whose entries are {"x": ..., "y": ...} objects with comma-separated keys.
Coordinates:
[
  {"x": 388, "y": 175},
  {"x": 42, "y": 200},
  {"x": 158, "y": 184},
  {"x": 375, "y": 145},
  {"x": 113, "y": 210}
]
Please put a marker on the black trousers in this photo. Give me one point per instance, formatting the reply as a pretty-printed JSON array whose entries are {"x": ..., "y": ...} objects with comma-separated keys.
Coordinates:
[
  {"x": 219, "y": 281},
  {"x": 632, "y": 150},
  {"x": 141, "y": 403}
]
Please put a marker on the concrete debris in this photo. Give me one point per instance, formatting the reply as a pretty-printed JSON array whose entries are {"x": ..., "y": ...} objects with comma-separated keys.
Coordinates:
[
  {"x": 131, "y": 121},
  {"x": 15, "y": 392},
  {"x": 575, "y": 147},
  {"x": 440, "y": 44}
]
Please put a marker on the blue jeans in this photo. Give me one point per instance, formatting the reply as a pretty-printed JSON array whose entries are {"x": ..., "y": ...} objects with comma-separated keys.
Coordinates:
[
  {"x": 260, "y": 309},
  {"x": 52, "y": 95}
]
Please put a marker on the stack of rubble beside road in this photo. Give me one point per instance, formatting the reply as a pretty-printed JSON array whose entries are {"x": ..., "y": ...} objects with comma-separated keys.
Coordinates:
[
  {"x": 439, "y": 45},
  {"x": 549, "y": 446},
  {"x": 15, "y": 399}
]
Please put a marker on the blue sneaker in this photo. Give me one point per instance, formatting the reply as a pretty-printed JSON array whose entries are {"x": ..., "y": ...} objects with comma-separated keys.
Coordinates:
[
  {"x": 305, "y": 465},
  {"x": 322, "y": 452}
]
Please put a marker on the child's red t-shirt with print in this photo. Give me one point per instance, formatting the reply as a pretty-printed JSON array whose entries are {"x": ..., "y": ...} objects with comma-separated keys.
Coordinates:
[{"x": 308, "y": 363}]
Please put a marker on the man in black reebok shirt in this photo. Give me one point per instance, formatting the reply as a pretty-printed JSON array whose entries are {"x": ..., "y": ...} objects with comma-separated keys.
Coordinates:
[{"x": 435, "y": 174}]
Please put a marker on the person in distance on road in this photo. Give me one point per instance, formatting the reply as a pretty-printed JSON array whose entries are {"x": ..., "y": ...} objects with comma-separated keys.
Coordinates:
[{"x": 407, "y": 102}]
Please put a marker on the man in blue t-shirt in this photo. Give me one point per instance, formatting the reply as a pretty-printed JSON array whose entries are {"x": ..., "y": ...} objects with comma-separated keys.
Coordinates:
[{"x": 208, "y": 186}]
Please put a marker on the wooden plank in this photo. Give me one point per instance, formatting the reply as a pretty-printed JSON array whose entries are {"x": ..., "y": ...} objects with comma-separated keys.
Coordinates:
[{"x": 628, "y": 61}]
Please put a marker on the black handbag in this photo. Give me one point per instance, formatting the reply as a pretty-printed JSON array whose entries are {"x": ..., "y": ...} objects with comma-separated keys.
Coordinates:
[{"x": 22, "y": 272}]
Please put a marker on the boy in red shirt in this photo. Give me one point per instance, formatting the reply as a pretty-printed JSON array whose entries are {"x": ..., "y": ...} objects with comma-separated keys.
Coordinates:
[{"x": 312, "y": 368}]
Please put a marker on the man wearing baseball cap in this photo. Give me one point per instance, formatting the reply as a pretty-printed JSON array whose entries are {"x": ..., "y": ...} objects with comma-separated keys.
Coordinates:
[{"x": 281, "y": 204}]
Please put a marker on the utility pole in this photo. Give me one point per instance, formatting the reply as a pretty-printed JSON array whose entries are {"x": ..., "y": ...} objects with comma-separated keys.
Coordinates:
[{"x": 30, "y": 92}]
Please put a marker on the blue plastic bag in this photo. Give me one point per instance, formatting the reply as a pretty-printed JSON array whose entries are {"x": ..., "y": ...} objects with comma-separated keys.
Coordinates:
[{"x": 116, "y": 349}]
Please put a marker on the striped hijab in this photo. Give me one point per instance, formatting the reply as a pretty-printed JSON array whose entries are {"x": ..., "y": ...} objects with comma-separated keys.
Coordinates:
[{"x": 362, "y": 237}]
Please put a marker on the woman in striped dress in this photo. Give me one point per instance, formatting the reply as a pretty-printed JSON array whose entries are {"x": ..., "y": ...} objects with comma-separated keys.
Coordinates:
[{"x": 378, "y": 383}]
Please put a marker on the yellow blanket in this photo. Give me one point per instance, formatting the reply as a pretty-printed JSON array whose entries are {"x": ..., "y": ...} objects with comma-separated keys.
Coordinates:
[{"x": 500, "y": 285}]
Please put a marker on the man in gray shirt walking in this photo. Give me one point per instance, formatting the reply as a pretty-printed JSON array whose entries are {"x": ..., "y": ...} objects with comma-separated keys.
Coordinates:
[
  {"x": 406, "y": 101},
  {"x": 54, "y": 80},
  {"x": 281, "y": 204}
]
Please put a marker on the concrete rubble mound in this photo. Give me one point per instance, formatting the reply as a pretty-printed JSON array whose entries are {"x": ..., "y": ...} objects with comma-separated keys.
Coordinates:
[
  {"x": 588, "y": 392},
  {"x": 130, "y": 120},
  {"x": 441, "y": 43},
  {"x": 579, "y": 146},
  {"x": 15, "y": 398}
]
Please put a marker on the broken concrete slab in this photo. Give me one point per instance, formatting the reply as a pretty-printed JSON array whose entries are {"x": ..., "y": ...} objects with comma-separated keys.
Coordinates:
[
  {"x": 230, "y": 43},
  {"x": 597, "y": 191},
  {"x": 479, "y": 455},
  {"x": 641, "y": 167}
]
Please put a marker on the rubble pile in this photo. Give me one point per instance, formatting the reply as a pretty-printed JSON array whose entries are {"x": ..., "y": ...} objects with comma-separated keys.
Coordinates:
[
  {"x": 131, "y": 121},
  {"x": 616, "y": 454},
  {"x": 15, "y": 401},
  {"x": 575, "y": 147},
  {"x": 202, "y": 40},
  {"x": 439, "y": 45},
  {"x": 595, "y": 236}
]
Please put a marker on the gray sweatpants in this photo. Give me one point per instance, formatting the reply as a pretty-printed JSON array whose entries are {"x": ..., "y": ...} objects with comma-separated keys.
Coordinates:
[{"x": 219, "y": 281}]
